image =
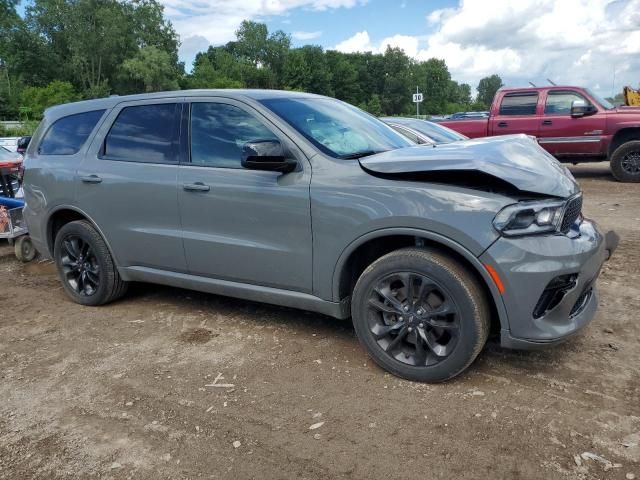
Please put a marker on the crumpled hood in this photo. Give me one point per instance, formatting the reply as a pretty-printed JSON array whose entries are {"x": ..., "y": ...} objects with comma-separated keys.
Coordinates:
[{"x": 516, "y": 159}]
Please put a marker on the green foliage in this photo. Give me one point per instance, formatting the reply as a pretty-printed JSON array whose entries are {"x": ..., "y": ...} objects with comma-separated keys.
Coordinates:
[
  {"x": 374, "y": 106},
  {"x": 37, "y": 99},
  {"x": 27, "y": 128},
  {"x": 487, "y": 88},
  {"x": 153, "y": 68},
  {"x": 63, "y": 50}
]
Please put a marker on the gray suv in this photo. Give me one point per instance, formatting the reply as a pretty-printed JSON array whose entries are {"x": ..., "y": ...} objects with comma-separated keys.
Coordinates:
[{"x": 305, "y": 201}]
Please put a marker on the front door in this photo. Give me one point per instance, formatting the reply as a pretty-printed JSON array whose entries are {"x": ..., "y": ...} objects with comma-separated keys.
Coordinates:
[
  {"x": 242, "y": 225},
  {"x": 563, "y": 135},
  {"x": 128, "y": 184}
]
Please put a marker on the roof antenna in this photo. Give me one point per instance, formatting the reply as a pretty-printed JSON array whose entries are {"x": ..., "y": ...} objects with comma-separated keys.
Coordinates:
[
  {"x": 532, "y": 84},
  {"x": 551, "y": 82}
]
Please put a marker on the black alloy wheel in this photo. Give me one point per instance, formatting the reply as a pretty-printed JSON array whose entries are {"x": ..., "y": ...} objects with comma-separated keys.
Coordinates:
[
  {"x": 80, "y": 266},
  {"x": 413, "y": 318},
  {"x": 85, "y": 266},
  {"x": 421, "y": 314}
]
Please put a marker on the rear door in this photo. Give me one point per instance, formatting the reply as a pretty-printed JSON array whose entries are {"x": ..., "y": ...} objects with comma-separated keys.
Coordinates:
[
  {"x": 241, "y": 225},
  {"x": 562, "y": 135},
  {"x": 128, "y": 184},
  {"x": 517, "y": 113}
]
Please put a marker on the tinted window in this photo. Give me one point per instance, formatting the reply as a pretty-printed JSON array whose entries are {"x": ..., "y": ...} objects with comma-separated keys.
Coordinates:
[
  {"x": 67, "y": 135},
  {"x": 337, "y": 128},
  {"x": 437, "y": 133},
  {"x": 145, "y": 133},
  {"x": 519, "y": 104},
  {"x": 411, "y": 136},
  {"x": 560, "y": 102},
  {"x": 219, "y": 131}
]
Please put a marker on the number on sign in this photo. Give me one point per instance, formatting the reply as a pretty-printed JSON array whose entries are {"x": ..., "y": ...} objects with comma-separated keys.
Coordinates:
[{"x": 417, "y": 98}]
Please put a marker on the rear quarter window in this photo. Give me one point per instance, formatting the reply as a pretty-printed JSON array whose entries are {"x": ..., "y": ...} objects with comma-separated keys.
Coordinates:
[{"x": 68, "y": 134}]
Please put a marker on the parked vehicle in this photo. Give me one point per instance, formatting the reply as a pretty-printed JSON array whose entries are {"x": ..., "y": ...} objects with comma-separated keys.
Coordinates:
[
  {"x": 23, "y": 143},
  {"x": 427, "y": 248},
  {"x": 572, "y": 123},
  {"x": 10, "y": 170},
  {"x": 9, "y": 143},
  {"x": 423, "y": 131},
  {"x": 469, "y": 115}
]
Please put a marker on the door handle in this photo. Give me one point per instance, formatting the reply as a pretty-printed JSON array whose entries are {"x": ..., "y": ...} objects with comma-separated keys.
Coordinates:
[
  {"x": 547, "y": 122},
  {"x": 502, "y": 124},
  {"x": 91, "y": 179},
  {"x": 196, "y": 187}
]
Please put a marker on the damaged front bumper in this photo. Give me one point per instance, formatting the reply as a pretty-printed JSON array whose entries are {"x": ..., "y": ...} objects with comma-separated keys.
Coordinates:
[{"x": 550, "y": 292}]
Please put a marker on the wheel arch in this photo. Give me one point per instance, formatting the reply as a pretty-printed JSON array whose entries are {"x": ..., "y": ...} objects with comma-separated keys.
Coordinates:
[
  {"x": 368, "y": 248},
  {"x": 64, "y": 214},
  {"x": 624, "y": 135}
]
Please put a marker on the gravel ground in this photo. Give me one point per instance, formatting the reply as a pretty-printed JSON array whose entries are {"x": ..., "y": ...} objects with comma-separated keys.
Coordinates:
[{"x": 133, "y": 389}]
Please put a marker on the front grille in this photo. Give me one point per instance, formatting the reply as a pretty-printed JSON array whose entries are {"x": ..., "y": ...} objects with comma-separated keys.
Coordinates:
[{"x": 571, "y": 213}]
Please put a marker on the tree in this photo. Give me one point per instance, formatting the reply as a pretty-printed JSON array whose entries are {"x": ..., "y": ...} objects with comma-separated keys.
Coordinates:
[
  {"x": 38, "y": 99},
  {"x": 153, "y": 68},
  {"x": 344, "y": 77},
  {"x": 306, "y": 69},
  {"x": 487, "y": 88}
]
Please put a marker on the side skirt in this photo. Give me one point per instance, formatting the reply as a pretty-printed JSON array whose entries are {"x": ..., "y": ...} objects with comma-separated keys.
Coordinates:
[{"x": 256, "y": 293}]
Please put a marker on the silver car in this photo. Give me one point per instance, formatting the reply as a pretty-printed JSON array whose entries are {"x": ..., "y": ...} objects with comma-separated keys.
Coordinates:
[
  {"x": 423, "y": 131},
  {"x": 305, "y": 201}
]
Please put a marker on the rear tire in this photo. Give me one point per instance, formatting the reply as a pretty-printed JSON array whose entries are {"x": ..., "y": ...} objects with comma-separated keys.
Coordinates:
[
  {"x": 625, "y": 162},
  {"x": 85, "y": 266},
  {"x": 420, "y": 314}
]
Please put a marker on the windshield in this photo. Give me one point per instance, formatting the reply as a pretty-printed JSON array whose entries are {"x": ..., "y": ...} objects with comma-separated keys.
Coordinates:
[
  {"x": 604, "y": 103},
  {"x": 337, "y": 128}
]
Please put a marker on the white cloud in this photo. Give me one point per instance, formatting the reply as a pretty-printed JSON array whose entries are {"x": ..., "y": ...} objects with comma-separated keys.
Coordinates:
[
  {"x": 306, "y": 35},
  {"x": 570, "y": 41},
  {"x": 360, "y": 42}
]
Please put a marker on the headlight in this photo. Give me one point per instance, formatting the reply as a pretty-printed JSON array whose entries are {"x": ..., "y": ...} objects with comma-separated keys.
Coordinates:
[{"x": 527, "y": 218}]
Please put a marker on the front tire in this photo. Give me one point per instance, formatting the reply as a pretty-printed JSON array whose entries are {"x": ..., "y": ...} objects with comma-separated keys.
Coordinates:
[
  {"x": 625, "y": 162},
  {"x": 85, "y": 266},
  {"x": 420, "y": 314}
]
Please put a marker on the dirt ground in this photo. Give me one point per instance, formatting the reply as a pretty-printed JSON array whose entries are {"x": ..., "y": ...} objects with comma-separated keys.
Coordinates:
[{"x": 125, "y": 391}]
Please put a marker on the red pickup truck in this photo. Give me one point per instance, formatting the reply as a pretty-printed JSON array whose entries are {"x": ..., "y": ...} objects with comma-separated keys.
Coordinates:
[{"x": 572, "y": 123}]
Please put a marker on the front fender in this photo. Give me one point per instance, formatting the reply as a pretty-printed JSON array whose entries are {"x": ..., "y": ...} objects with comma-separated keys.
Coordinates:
[{"x": 436, "y": 238}]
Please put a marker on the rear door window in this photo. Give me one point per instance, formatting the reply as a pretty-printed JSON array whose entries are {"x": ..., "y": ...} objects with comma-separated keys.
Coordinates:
[
  {"x": 67, "y": 135},
  {"x": 144, "y": 133},
  {"x": 519, "y": 104}
]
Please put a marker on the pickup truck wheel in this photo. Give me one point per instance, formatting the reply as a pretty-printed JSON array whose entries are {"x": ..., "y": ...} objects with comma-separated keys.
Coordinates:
[
  {"x": 420, "y": 314},
  {"x": 86, "y": 269},
  {"x": 625, "y": 162}
]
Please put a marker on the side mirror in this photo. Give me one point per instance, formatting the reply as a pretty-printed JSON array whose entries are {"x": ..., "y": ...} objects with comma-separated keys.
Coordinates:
[
  {"x": 580, "y": 108},
  {"x": 266, "y": 155}
]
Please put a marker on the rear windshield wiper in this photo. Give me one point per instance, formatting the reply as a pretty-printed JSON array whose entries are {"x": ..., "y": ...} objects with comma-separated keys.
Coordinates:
[{"x": 363, "y": 153}]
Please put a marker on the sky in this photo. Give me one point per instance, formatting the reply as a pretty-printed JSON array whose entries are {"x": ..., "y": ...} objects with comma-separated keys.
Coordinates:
[{"x": 593, "y": 43}]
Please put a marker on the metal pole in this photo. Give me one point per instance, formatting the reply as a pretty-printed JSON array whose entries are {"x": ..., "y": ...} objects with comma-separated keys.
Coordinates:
[{"x": 417, "y": 105}]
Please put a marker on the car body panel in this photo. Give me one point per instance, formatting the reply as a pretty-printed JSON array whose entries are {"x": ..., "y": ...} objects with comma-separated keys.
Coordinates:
[
  {"x": 135, "y": 202},
  {"x": 234, "y": 231},
  {"x": 514, "y": 159}
]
